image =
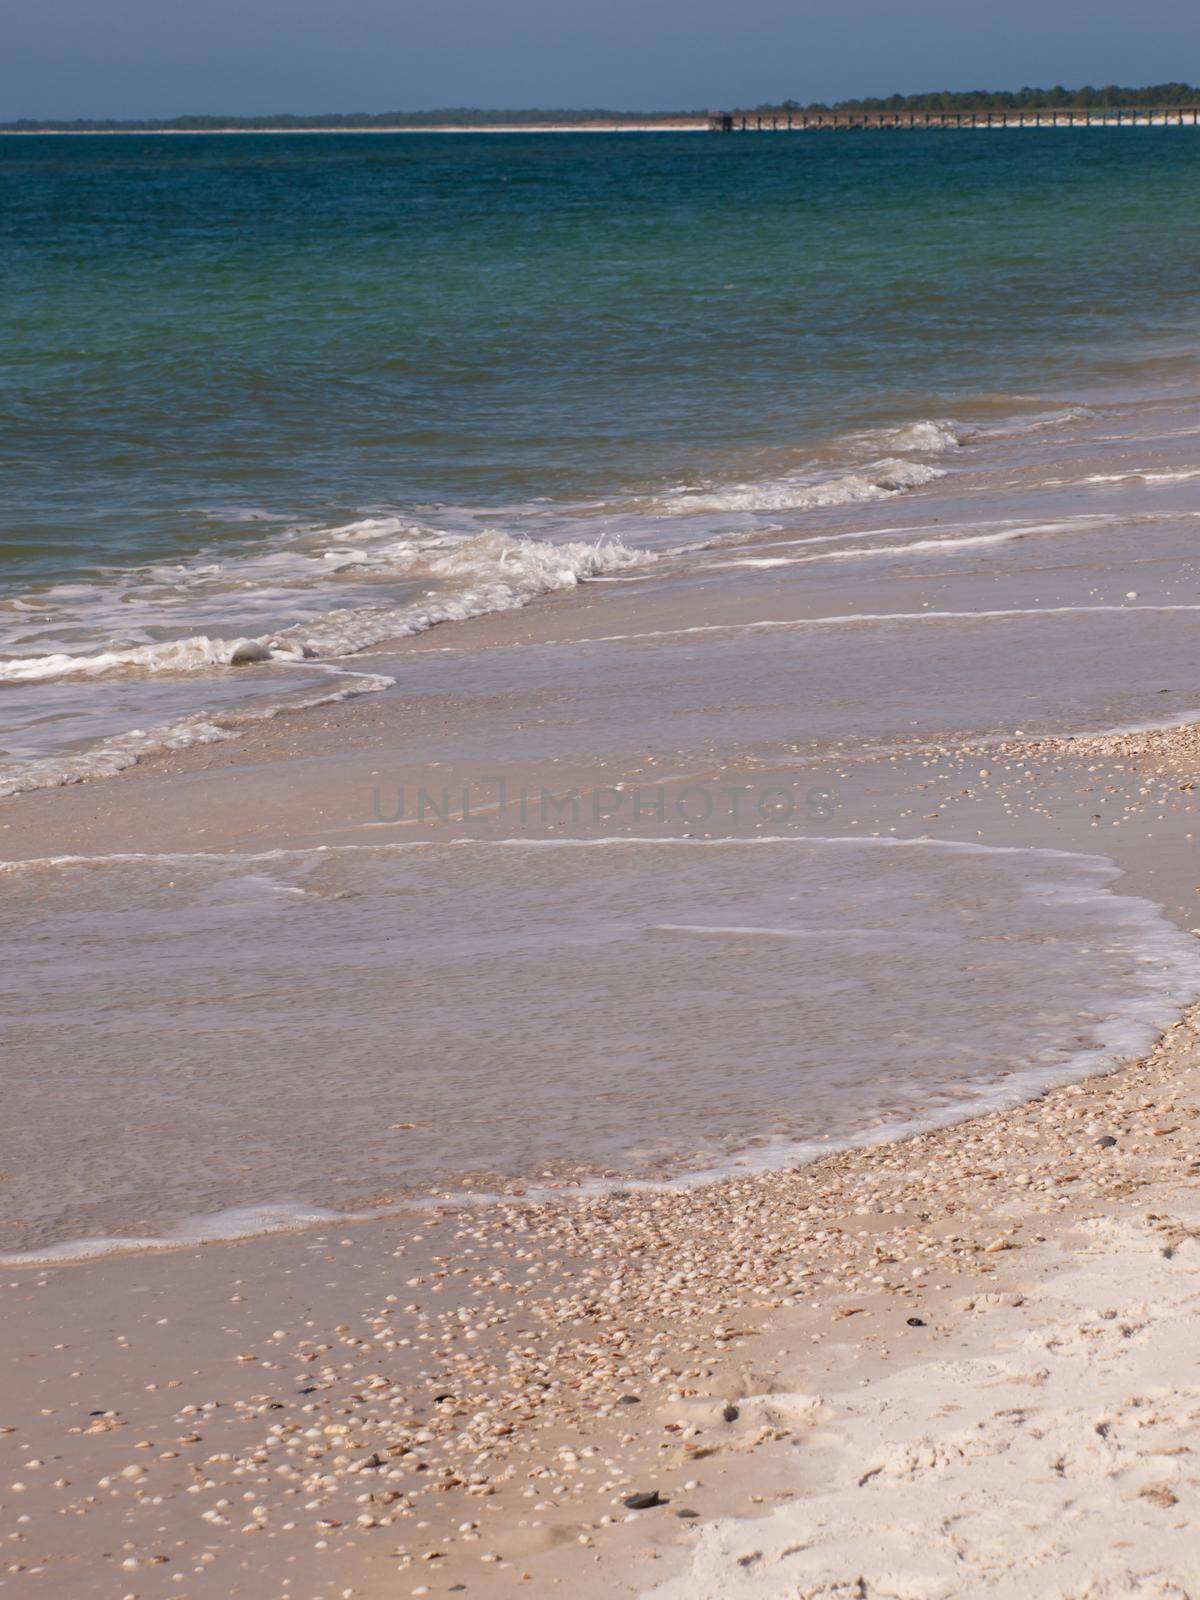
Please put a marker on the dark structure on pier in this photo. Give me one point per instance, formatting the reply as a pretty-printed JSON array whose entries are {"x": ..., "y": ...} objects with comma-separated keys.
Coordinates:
[{"x": 791, "y": 119}]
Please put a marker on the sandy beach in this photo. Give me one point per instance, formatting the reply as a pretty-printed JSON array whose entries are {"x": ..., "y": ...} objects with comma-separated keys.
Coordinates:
[
  {"x": 868, "y": 1372},
  {"x": 858, "y": 1375},
  {"x": 600, "y": 979},
  {"x": 699, "y": 125}
]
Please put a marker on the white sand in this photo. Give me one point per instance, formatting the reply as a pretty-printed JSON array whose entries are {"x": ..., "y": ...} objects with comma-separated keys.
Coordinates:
[{"x": 1058, "y": 1460}]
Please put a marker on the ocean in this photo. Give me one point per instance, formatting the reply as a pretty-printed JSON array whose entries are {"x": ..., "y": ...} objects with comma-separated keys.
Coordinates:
[
  {"x": 311, "y": 392},
  {"x": 848, "y": 444}
]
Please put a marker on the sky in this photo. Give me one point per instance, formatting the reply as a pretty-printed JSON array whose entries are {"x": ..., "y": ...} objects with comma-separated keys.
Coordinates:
[{"x": 159, "y": 58}]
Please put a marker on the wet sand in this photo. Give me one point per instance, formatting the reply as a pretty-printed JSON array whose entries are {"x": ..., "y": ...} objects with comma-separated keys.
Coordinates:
[
  {"x": 463, "y": 1398},
  {"x": 468, "y": 1397}
]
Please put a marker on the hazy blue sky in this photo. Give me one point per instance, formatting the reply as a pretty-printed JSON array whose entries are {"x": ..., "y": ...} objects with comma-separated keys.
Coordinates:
[{"x": 160, "y": 57}]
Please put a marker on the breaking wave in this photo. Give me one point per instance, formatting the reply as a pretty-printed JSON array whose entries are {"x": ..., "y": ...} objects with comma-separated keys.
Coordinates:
[
  {"x": 168, "y": 644},
  {"x": 928, "y": 437},
  {"x": 492, "y": 572},
  {"x": 805, "y": 491}
]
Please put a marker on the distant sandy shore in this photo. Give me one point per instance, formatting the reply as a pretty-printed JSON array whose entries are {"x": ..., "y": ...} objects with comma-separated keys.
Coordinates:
[{"x": 699, "y": 126}]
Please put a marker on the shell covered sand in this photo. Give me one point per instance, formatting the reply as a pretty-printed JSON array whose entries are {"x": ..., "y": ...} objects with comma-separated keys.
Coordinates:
[{"x": 469, "y": 1419}]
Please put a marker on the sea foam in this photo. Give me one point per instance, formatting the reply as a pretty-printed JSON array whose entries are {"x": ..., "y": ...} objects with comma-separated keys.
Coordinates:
[
  {"x": 801, "y": 492},
  {"x": 491, "y": 572}
]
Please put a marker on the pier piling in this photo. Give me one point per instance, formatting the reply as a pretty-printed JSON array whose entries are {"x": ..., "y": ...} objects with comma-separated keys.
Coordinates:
[{"x": 789, "y": 119}]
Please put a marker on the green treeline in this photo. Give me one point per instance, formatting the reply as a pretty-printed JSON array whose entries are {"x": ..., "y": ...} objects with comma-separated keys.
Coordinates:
[
  {"x": 452, "y": 117},
  {"x": 1056, "y": 99},
  {"x": 1112, "y": 96}
]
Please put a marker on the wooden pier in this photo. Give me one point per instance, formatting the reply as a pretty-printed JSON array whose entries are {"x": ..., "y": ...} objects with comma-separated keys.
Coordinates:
[{"x": 787, "y": 120}]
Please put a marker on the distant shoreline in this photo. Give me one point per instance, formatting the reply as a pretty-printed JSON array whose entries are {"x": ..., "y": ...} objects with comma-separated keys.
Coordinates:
[
  {"x": 700, "y": 125},
  {"x": 1045, "y": 119},
  {"x": 1152, "y": 102}
]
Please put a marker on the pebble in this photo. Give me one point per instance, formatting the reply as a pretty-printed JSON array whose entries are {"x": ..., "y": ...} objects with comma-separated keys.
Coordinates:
[
  {"x": 249, "y": 653},
  {"x": 644, "y": 1501}
]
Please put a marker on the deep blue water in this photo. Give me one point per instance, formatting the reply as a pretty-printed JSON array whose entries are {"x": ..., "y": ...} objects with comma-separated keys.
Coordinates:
[{"x": 310, "y": 325}]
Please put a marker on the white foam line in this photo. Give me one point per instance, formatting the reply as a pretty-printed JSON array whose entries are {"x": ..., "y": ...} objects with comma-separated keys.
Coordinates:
[
  {"x": 1146, "y": 475},
  {"x": 769, "y": 933},
  {"x": 124, "y": 750},
  {"x": 880, "y": 480},
  {"x": 1017, "y": 524},
  {"x": 861, "y": 617},
  {"x": 719, "y": 928},
  {"x": 884, "y": 841},
  {"x": 218, "y": 1227},
  {"x": 605, "y": 842},
  {"x": 1146, "y": 478},
  {"x": 917, "y": 546},
  {"x": 1143, "y": 438},
  {"x": 759, "y": 562},
  {"x": 642, "y": 577},
  {"x": 1179, "y": 719}
]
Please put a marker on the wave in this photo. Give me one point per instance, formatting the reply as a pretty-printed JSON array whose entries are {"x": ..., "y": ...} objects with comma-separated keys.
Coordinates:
[
  {"x": 502, "y": 573},
  {"x": 110, "y": 756},
  {"x": 938, "y": 436},
  {"x": 300, "y": 593},
  {"x": 804, "y": 492},
  {"x": 1035, "y": 422},
  {"x": 322, "y": 592},
  {"x": 175, "y": 655},
  {"x": 929, "y": 437},
  {"x": 491, "y": 572}
]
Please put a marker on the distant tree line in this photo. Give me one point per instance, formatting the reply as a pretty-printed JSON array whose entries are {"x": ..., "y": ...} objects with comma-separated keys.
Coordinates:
[
  {"x": 450, "y": 117},
  {"x": 1056, "y": 99}
]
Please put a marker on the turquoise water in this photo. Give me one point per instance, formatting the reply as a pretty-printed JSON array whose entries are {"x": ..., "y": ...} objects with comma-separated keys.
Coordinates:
[
  {"x": 311, "y": 325},
  {"x": 222, "y": 353},
  {"x": 884, "y": 443}
]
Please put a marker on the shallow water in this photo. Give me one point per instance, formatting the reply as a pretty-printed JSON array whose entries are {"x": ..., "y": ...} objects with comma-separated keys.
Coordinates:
[{"x": 421, "y": 1013}]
